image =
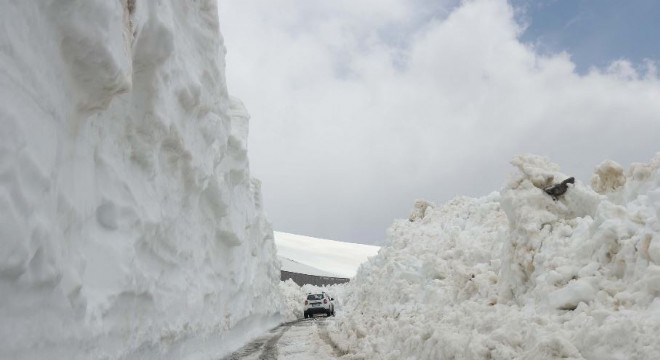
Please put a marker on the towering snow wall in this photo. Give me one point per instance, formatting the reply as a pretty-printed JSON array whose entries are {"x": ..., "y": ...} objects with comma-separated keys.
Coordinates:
[
  {"x": 129, "y": 224},
  {"x": 518, "y": 275}
]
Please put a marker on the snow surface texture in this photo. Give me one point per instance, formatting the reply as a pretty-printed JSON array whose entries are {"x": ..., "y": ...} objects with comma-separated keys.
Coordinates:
[
  {"x": 130, "y": 226},
  {"x": 336, "y": 257},
  {"x": 516, "y": 275}
]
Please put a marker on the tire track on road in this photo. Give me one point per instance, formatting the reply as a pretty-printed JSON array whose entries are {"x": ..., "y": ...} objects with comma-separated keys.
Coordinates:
[
  {"x": 325, "y": 336},
  {"x": 299, "y": 342},
  {"x": 270, "y": 349},
  {"x": 266, "y": 344}
]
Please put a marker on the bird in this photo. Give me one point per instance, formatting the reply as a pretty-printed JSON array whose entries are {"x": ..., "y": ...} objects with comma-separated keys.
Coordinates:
[{"x": 559, "y": 189}]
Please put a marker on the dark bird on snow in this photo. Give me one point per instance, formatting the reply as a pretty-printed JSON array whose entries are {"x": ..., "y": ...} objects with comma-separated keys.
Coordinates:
[{"x": 559, "y": 189}]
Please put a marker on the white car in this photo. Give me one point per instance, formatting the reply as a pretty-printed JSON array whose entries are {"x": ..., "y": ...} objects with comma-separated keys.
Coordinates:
[{"x": 320, "y": 303}]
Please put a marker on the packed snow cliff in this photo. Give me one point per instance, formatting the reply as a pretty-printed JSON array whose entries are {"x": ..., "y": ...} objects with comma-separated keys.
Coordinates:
[
  {"x": 518, "y": 275},
  {"x": 130, "y": 226}
]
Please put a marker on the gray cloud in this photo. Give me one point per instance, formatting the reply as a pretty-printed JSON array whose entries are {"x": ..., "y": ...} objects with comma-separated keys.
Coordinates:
[{"x": 350, "y": 123}]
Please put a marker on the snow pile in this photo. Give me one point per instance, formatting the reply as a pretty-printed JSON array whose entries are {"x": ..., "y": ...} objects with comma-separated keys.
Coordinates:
[
  {"x": 294, "y": 297},
  {"x": 517, "y": 274},
  {"x": 130, "y": 225}
]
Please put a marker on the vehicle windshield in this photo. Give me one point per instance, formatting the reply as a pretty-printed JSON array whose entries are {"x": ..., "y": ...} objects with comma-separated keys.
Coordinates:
[{"x": 315, "y": 297}]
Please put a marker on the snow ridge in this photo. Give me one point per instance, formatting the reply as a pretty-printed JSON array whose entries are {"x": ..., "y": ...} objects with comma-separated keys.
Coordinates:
[
  {"x": 517, "y": 275},
  {"x": 130, "y": 225}
]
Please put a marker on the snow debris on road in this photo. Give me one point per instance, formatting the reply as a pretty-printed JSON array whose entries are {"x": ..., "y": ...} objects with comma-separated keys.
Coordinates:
[
  {"x": 517, "y": 275},
  {"x": 130, "y": 225}
]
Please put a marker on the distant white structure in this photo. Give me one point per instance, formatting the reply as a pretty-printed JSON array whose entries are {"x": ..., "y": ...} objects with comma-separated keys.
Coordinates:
[
  {"x": 302, "y": 274},
  {"x": 341, "y": 259}
]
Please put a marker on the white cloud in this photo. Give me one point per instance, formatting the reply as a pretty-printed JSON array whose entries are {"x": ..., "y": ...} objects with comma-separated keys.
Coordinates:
[{"x": 359, "y": 108}]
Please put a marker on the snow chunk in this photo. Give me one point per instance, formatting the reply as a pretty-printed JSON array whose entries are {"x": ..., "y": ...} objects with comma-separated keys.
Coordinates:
[
  {"x": 540, "y": 171},
  {"x": 653, "y": 248},
  {"x": 568, "y": 297},
  {"x": 608, "y": 177},
  {"x": 419, "y": 211}
]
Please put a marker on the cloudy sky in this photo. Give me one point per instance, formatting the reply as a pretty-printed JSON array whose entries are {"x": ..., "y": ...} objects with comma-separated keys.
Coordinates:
[{"x": 360, "y": 107}]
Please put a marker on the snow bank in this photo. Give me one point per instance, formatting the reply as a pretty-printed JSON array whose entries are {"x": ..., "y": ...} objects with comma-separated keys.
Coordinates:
[
  {"x": 130, "y": 225},
  {"x": 518, "y": 275}
]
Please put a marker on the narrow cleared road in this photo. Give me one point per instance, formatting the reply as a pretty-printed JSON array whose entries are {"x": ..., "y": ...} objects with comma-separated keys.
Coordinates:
[{"x": 303, "y": 339}]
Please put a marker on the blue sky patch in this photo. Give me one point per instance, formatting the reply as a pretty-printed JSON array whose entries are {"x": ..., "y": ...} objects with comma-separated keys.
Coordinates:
[{"x": 593, "y": 32}]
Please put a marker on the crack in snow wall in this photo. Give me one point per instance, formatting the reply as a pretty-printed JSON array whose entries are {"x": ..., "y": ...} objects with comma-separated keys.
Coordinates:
[{"x": 130, "y": 225}]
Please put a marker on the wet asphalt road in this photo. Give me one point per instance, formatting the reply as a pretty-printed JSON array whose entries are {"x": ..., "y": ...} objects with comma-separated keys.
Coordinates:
[{"x": 298, "y": 340}]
